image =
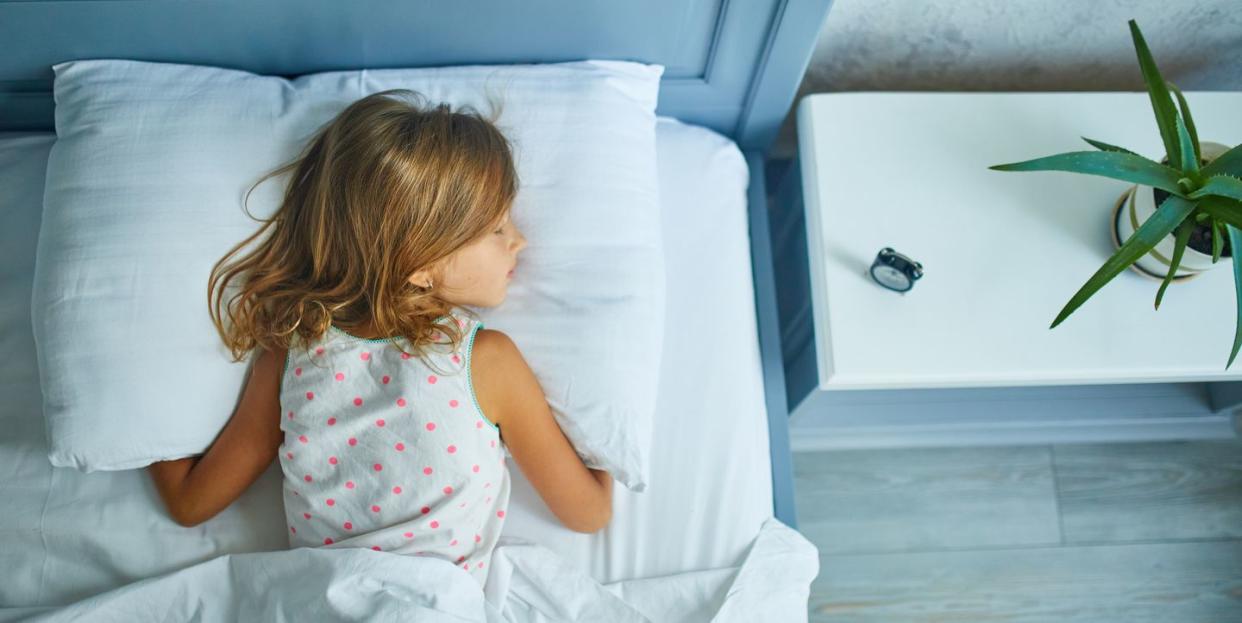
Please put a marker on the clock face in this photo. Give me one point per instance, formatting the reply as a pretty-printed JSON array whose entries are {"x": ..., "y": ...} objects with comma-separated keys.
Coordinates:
[{"x": 890, "y": 277}]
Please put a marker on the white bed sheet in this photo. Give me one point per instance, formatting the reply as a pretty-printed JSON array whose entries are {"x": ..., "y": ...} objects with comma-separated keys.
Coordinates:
[{"x": 69, "y": 535}]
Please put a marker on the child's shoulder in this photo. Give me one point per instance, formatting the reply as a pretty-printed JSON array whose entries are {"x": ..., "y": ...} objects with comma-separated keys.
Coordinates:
[
  {"x": 494, "y": 346},
  {"x": 504, "y": 383}
]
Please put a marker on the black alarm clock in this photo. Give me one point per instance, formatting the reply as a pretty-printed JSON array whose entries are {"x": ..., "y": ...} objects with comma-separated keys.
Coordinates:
[{"x": 895, "y": 271}]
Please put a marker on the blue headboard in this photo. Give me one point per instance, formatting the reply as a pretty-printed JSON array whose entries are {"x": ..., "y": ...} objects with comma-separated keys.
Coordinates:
[{"x": 733, "y": 66}]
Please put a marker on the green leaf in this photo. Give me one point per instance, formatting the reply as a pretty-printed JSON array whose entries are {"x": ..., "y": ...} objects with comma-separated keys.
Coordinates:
[
  {"x": 1120, "y": 166},
  {"x": 1161, "y": 102},
  {"x": 1229, "y": 163},
  {"x": 1190, "y": 122},
  {"x": 1179, "y": 248},
  {"x": 1235, "y": 241},
  {"x": 1102, "y": 146},
  {"x": 1218, "y": 243},
  {"x": 1225, "y": 210},
  {"x": 1189, "y": 160},
  {"x": 1171, "y": 212},
  {"x": 1220, "y": 186}
]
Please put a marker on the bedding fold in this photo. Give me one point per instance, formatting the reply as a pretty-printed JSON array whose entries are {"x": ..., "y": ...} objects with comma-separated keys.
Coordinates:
[{"x": 528, "y": 584}]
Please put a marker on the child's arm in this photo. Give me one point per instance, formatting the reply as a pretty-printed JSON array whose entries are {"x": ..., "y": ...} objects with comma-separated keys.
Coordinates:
[
  {"x": 196, "y": 488},
  {"x": 511, "y": 397}
]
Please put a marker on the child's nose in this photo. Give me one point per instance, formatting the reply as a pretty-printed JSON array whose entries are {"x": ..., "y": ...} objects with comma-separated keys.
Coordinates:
[{"x": 519, "y": 242}]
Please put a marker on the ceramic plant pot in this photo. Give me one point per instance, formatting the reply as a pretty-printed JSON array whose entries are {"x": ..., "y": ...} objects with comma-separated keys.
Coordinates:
[{"x": 1139, "y": 202}]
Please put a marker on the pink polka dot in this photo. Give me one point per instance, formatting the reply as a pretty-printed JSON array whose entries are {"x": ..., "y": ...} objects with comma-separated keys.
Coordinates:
[
  {"x": 466, "y": 566},
  {"x": 408, "y": 535},
  {"x": 291, "y": 415},
  {"x": 349, "y": 484},
  {"x": 480, "y": 565},
  {"x": 380, "y": 422},
  {"x": 349, "y": 526},
  {"x": 319, "y": 351},
  {"x": 434, "y": 524},
  {"x": 485, "y": 486},
  {"x": 357, "y": 401},
  {"x": 377, "y": 467},
  {"x": 405, "y": 355},
  {"x": 375, "y": 508},
  {"x": 448, "y": 490},
  {"x": 461, "y": 558},
  {"x": 310, "y": 395},
  {"x": 293, "y": 530},
  {"x": 401, "y": 402},
  {"x": 431, "y": 425},
  {"x": 305, "y": 515},
  {"x": 332, "y": 460},
  {"x": 456, "y": 359},
  {"x": 478, "y": 424},
  {"x": 424, "y": 510},
  {"x": 302, "y": 438},
  {"x": 307, "y": 478},
  {"x": 493, "y": 443},
  {"x": 365, "y": 356},
  {"x": 400, "y": 447},
  {"x": 432, "y": 379},
  {"x": 297, "y": 372},
  {"x": 477, "y": 538},
  {"x": 340, "y": 376},
  {"x": 427, "y": 471},
  {"x": 453, "y": 404},
  {"x": 289, "y": 454},
  {"x": 500, "y": 514},
  {"x": 396, "y": 490},
  {"x": 330, "y": 502},
  {"x": 453, "y": 543},
  {"x": 475, "y": 469},
  {"x": 385, "y": 379},
  {"x": 452, "y": 449},
  {"x": 489, "y": 499},
  {"x": 375, "y": 547},
  {"x": 353, "y": 441},
  {"x": 461, "y": 324},
  {"x": 327, "y": 541}
]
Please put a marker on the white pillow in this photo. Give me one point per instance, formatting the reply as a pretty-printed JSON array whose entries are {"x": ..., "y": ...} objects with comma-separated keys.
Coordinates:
[{"x": 144, "y": 190}]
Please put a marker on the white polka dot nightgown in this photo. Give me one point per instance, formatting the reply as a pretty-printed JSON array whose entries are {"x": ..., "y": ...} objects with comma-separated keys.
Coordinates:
[{"x": 387, "y": 451}]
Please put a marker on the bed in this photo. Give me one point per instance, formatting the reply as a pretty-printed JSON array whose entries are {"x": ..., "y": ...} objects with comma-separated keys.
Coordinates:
[{"x": 720, "y": 462}]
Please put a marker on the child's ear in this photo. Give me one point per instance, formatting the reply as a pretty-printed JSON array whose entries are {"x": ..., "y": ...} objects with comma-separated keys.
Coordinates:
[{"x": 421, "y": 279}]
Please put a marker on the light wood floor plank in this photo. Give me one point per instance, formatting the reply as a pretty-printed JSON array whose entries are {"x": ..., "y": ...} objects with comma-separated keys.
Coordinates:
[
  {"x": 926, "y": 498},
  {"x": 1180, "y": 582},
  {"x": 1150, "y": 491}
]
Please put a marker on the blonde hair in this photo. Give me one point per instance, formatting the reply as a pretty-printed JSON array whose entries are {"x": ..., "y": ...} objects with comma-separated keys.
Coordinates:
[{"x": 387, "y": 188}]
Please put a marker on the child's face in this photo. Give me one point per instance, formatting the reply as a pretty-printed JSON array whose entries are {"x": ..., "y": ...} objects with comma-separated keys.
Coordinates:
[{"x": 478, "y": 274}]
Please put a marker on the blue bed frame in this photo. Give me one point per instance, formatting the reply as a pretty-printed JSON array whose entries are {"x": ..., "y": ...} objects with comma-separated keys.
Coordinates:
[{"x": 731, "y": 65}]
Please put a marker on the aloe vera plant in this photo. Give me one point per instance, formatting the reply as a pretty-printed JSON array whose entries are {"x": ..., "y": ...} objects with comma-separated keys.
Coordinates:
[{"x": 1199, "y": 194}]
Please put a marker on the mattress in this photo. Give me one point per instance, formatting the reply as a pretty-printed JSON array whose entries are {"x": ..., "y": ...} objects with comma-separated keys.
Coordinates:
[{"x": 69, "y": 535}]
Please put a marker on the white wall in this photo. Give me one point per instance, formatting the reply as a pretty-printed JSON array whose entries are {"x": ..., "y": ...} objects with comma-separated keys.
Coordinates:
[{"x": 1021, "y": 45}]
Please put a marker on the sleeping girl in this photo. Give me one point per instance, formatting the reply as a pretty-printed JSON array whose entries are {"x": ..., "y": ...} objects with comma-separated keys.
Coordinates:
[{"x": 386, "y": 402}]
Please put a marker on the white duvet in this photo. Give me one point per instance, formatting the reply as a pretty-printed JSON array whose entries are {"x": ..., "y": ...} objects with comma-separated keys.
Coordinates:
[{"x": 527, "y": 583}]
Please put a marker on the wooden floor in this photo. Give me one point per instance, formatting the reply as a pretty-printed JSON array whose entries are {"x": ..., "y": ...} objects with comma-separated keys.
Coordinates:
[{"x": 1066, "y": 533}]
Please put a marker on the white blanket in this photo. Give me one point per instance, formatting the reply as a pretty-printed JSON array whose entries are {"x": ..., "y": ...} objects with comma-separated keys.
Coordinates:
[{"x": 527, "y": 583}]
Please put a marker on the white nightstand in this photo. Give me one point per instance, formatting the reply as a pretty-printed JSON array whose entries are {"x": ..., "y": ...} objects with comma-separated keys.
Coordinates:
[{"x": 967, "y": 356}]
